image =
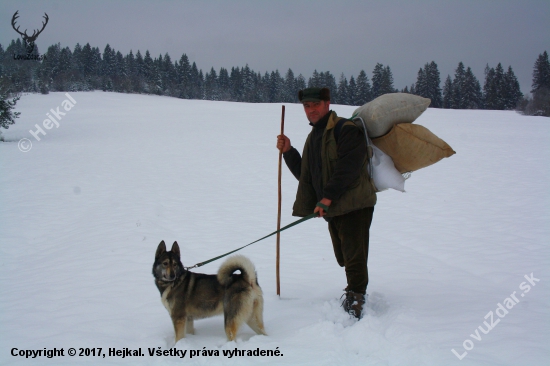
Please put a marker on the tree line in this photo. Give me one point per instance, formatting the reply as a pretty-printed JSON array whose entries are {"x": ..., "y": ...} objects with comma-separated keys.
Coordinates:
[
  {"x": 539, "y": 104},
  {"x": 87, "y": 68}
]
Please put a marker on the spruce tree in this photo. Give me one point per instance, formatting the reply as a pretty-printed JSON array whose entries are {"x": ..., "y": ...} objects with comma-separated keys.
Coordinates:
[
  {"x": 471, "y": 91},
  {"x": 95, "y": 64},
  {"x": 121, "y": 79},
  {"x": 541, "y": 73},
  {"x": 289, "y": 88},
  {"x": 130, "y": 61},
  {"x": 382, "y": 81},
  {"x": 500, "y": 87},
  {"x": 236, "y": 82},
  {"x": 490, "y": 89},
  {"x": 314, "y": 81},
  {"x": 433, "y": 82},
  {"x": 49, "y": 69},
  {"x": 139, "y": 85},
  {"x": 224, "y": 84},
  {"x": 300, "y": 84},
  {"x": 7, "y": 104},
  {"x": 107, "y": 64},
  {"x": 148, "y": 72},
  {"x": 183, "y": 77},
  {"x": 77, "y": 62},
  {"x": 65, "y": 60},
  {"x": 342, "y": 97},
  {"x": 448, "y": 93},
  {"x": 211, "y": 85},
  {"x": 131, "y": 73},
  {"x": 263, "y": 87},
  {"x": 458, "y": 85},
  {"x": 275, "y": 87},
  {"x": 512, "y": 94},
  {"x": 387, "y": 82},
  {"x": 106, "y": 69},
  {"x": 540, "y": 104},
  {"x": 196, "y": 80},
  {"x": 168, "y": 75},
  {"x": 377, "y": 80},
  {"x": 352, "y": 92},
  {"x": 421, "y": 85},
  {"x": 364, "y": 93},
  {"x": 249, "y": 83},
  {"x": 327, "y": 80}
]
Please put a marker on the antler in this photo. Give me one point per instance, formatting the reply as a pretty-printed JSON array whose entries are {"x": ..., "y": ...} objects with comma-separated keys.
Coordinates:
[
  {"x": 33, "y": 37},
  {"x": 15, "y": 16},
  {"x": 34, "y": 34}
]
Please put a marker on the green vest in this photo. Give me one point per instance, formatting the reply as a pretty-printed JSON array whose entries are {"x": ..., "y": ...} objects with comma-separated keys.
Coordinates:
[{"x": 359, "y": 194}]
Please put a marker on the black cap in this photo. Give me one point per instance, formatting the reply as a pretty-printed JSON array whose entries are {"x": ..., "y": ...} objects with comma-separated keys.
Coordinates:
[{"x": 314, "y": 95}]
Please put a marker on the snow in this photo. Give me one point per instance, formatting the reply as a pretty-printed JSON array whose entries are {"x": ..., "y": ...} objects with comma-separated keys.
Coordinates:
[{"x": 83, "y": 211}]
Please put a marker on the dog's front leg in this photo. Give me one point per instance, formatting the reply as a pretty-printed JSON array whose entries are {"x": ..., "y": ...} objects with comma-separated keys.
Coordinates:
[{"x": 179, "y": 327}]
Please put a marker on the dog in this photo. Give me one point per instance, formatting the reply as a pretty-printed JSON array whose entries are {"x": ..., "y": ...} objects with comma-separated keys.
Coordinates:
[{"x": 188, "y": 296}]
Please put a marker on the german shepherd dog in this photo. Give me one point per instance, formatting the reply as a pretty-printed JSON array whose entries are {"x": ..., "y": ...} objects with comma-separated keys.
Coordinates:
[{"x": 188, "y": 296}]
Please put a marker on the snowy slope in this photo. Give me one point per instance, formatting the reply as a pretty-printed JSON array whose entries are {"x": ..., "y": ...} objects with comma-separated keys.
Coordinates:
[{"x": 83, "y": 211}]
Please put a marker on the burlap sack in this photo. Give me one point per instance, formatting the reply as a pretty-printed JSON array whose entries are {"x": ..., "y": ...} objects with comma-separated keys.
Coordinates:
[
  {"x": 412, "y": 147},
  {"x": 387, "y": 110}
]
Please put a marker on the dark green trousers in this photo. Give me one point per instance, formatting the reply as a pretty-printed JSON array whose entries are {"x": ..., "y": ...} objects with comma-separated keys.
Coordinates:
[{"x": 350, "y": 239}]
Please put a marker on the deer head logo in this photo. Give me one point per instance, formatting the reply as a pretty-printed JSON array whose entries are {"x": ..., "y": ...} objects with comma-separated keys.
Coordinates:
[{"x": 29, "y": 40}]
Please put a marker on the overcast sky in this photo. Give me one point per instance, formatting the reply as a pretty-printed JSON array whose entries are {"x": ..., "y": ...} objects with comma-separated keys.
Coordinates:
[{"x": 337, "y": 36}]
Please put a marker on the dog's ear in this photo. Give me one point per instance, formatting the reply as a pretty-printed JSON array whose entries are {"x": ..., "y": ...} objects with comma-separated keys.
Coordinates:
[
  {"x": 176, "y": 249},
  {"x": 160, "y": 249}
]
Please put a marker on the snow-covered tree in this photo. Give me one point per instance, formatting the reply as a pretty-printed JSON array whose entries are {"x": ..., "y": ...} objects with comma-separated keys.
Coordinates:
[
  {"x": 448, "y": 93},
  {"x": 539, "y": 105},
  {"x": 7, "y": 104},
  {"x": 541, "y": 72},
  {"x": 433, "y": 82},
  {"x": 314, "y": 81},
  {"x": 382, "y": 81},
  {"x": 421, "y": 85},
  {"x": 342, "y": 96},
  {"x": 377, "y": 80},
  {"x": 364, "y": 92},
  {"x": 472, "y": 97},
  {"x": 458, "y": 86},
  {"x": 289, "y": 88},
  {"x": 494, "y": 89},
  {"x": 512, "y": 92},
  {"x": 352, "y": 91}
]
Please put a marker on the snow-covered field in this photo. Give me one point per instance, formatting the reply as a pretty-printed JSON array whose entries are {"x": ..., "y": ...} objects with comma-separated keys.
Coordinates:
[{"x": 82, "y": 212}]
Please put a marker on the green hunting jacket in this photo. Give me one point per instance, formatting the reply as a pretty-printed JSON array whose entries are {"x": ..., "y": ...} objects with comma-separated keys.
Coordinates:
[{"x": 359, "y": 194}]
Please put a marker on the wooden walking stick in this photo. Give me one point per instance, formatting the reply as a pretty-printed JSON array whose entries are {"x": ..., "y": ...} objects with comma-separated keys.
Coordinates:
[{"x": 279, "y": 208}]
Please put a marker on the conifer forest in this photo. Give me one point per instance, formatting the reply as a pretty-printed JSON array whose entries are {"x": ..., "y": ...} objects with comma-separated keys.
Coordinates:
[{"x": 86, "y": 68}]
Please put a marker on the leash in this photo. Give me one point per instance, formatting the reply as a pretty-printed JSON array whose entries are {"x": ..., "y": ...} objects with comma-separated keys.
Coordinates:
[{"x": 319, "y": 204}]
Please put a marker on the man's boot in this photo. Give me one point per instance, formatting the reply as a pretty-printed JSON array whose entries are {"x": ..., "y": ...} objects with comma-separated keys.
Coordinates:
[{"x": 353, "y": 303}]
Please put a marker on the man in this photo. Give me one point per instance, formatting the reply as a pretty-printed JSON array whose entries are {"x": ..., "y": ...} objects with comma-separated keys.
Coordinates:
[{"x": 334, "y": 181}]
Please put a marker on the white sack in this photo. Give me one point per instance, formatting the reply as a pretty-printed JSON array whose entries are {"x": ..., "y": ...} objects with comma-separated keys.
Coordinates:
[{"x": 384, "y": 173}]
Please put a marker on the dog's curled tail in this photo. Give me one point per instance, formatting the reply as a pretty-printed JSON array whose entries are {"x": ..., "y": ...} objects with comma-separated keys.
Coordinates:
[{"x": 234, "y": 263}]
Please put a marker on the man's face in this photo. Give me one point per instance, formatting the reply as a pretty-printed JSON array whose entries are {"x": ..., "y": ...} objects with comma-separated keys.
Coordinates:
[{"x": 316, "y": 110}]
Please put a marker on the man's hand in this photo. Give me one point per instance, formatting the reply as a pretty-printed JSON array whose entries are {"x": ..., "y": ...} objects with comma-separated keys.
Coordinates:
[
  {"x": 324, "y": 201},
  {"x": 283, "y": 143}
]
